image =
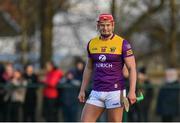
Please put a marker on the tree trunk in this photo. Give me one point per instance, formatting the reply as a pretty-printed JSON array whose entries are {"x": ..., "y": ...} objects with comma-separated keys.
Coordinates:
[
  {"x": 24, "y": 29},
  {"x": 46, "y": 15},
  {"x": 173, "y": 34},
  {"x": 114, "y": 13}
]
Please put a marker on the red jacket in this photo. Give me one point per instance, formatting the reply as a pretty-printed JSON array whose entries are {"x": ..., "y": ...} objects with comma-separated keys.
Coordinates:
[{"x": 51, "y": 80}]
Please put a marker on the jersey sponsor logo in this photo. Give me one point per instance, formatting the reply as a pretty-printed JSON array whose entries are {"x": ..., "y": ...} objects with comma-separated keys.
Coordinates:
[
  {"x": 129, "y": 52},
  {"x": 102, "y": 58},
  {"x": 103, "y": 49},
  {"x": 104, "y": 65},
  {"x": 113, "y": 49}
]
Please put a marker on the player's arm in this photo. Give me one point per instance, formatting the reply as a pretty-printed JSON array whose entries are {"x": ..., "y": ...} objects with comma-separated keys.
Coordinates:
[
  {"x": 125, "y": 72},
  {"x": 86, "y": 78},
  {"x": 131, "y": 66}
]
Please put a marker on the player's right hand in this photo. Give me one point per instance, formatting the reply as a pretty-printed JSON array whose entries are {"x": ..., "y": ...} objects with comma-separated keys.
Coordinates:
[
  {"x": 132, "y": 97},
  {"x": 81, "y": 96}
]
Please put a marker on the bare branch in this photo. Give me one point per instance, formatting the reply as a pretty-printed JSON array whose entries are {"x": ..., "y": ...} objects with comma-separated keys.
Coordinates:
[{"x": 135, "y": 26}]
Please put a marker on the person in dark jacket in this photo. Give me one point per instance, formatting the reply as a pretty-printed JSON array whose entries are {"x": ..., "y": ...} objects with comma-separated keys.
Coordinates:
[
  {"x": 2, "y": 94},
  {"x": 145, "y": 86},
  {"x": 29, "y": 109},
  {"x": 69, "y": 97},
  {"x": 168, "y": 97},
  {"x": 140, "y": 111},
  {"x": 78, "y": 70}
]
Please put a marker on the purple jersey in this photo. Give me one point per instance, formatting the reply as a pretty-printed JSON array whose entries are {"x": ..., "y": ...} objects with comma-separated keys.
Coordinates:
[{"x": 108, "y": 61}]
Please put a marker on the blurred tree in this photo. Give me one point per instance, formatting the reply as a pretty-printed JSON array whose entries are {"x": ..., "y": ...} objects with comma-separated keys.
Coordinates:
[
  {"x": 113, "y": 11},
  {"x": 173, "y": 33},
  {"x": 47, "y": 10},
  {"x": 28, "y": 23},
  {"x": 162, "y": 35},
  {"x": 24, "y": 31},
  {"x": 9, "y": 26},
  {"x": 135, "y": 26},
  {"x": 46, "y": 16},
  {"x": 31, "y": 16},
  {"x": 24, "y": 19}
]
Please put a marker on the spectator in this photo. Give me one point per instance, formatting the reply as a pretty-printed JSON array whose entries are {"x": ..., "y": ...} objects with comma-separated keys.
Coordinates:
[
  {"x": 168, "y": 98},
  {"x": 16, "y": 95},
  {"x": 144, "y": 86},
  {"x": 2, "y": 94},
  {"x": 50, "y": 92},
  {"x": 29, "y": 111},
  {"x": 9, "y": 72},
  {"x": 6, "y": 79},
  {"x": 132, "y": 115},
  {"x": 78, "y": 74},
  {"x": 69, "y": 97},
  {"x": 78, "y": 69}
]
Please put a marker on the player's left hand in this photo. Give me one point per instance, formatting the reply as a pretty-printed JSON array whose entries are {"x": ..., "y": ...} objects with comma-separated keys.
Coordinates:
[{"x": 132, "y": 97}]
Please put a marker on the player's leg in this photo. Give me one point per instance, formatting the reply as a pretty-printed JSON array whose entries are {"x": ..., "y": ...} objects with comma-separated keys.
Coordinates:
[
  {"x": 115, "y": 114},
  {"x": 114, "y": 106},
  {"x": 93, "y": 108},
  {"x": 91, "y": 113}
]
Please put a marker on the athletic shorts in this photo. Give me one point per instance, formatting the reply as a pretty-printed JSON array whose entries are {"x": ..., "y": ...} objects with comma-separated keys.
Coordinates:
[{"x": 106, "y": 100}]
